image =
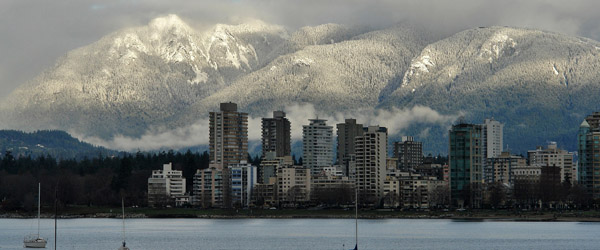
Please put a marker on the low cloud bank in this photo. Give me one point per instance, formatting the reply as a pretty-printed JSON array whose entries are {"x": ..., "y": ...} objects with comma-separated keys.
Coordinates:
[{"x": 396, "y": 120}]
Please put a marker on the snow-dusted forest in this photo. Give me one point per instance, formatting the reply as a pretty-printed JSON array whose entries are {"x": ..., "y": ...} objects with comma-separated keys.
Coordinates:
[{"x": 168, "y": 75}]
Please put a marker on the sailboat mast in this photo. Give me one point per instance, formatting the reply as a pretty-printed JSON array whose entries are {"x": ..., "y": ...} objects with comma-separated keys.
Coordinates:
[
  {"x": 55, "y": 212},
  {"x": 39, "y": 205},
  {"x": 123, "y": 208},
  {"x": 356, "y": 215}
]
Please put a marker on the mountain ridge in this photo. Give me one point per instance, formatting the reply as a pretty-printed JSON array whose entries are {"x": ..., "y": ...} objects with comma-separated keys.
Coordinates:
[{"x": 167, "y": 75}]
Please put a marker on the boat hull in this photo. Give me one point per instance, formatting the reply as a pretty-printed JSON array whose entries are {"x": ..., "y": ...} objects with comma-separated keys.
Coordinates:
[{"x": 35, "y": 244}]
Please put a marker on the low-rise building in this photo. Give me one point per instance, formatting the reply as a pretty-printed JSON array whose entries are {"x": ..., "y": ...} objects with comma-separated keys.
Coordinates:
[
  {"x": 269, "y": 165},
  {"x": 526, "y": 173},
  {"x": 410, "y": 190},
  {"x": 554, "y": 157},
  {"x": 293, "y": 185},
  {"x": 499, "y": 169},
  {"x": 243, "y": 178},
  {"x": 208, "y": 187},
  {"x": 265, "y": 194},
  {"x": 164, "y": 185}
]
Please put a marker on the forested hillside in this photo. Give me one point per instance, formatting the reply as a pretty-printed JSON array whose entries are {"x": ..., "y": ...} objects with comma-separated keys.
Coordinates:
[
  {"x": 58, "y": 144},
  {"x": 166, "y": 76},
  {"x": 97, "y": 181}
]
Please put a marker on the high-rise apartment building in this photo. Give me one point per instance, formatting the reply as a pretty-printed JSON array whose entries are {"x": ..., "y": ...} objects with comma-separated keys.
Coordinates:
[
  {"x": 409, "y": 153},
  {"x": 588, "y": 146},
  {"x": 346, "y": 132},
  {"x": 164, "y": 185},
  {"x": 276, "y": 135},
  {"x": 492, "y": 138},
  {"x": 466, "y": 167},
  {"x": 371, "y": 159},
  {"x": 317, "y": 145},
  {"x": 228, "y": 142}
]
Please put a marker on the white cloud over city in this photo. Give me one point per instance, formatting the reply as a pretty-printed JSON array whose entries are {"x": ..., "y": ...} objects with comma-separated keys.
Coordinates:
[{"x": 396, "y": 120}]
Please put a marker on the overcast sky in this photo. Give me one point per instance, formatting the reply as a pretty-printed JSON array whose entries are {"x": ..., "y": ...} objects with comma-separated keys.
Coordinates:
[{"x": 34, "y": 33}]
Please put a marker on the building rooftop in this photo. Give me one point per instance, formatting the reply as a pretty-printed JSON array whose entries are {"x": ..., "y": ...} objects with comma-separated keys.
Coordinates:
[{"x": 584, "y": 124}]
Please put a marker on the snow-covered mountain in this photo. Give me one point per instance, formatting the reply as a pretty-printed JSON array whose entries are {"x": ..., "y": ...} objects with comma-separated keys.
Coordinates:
[
  {"x": 140, "y": 77},
  {"x": 168, "y": 75},
  {"x": 540, "y": 84}
]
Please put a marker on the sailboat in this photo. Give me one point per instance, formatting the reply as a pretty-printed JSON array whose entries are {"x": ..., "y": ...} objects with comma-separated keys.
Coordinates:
[
  {"x": 123, "y": 247},
  {"x": 34, "y": 240}
]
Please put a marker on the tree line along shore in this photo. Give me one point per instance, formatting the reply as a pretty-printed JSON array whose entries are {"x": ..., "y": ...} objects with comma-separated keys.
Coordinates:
[{"x": 74, "y": 212}]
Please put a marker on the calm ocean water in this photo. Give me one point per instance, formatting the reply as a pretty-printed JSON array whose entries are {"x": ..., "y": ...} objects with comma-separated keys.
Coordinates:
[{"x": 334, "y": 234}]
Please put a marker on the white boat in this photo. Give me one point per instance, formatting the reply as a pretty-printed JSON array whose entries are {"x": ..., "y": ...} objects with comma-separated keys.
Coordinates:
[
  {"x": 123, "y": 247},
  {"x": 34, "y": 240}
]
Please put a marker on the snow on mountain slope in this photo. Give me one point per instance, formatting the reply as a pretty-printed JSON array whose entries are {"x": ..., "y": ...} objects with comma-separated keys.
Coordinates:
[
  {"x": 167, "y": 75},
  {"x": 526, "y": 78},
  {"x": 139, "y": 77},
  {"x": 341, "y": 76}
]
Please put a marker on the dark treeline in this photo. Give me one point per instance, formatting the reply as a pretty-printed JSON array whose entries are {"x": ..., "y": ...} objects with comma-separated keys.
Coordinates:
[{"x": 99, "y": 181}]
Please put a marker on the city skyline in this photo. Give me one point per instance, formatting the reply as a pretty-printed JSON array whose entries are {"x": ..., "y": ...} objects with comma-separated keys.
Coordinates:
[{"x": 260, "y": 124}]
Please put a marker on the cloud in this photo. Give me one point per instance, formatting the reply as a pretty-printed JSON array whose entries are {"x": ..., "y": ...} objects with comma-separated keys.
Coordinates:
[
  {"x": 195, "y": 134},
  {"x": 396, "y": 120}
]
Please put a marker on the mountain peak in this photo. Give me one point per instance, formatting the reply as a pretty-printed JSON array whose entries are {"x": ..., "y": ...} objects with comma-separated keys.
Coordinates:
[{"x": 168, "y": 22}]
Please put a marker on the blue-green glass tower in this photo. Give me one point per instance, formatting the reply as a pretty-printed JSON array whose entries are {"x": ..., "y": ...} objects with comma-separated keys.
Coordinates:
[
  {"x": 583, "y": 169},
  {"x": 588, "y": 147},
  {"x": 466, "y": 168}
]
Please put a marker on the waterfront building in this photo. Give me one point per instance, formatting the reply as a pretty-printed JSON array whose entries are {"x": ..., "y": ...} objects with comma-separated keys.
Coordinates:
[
  {"x": 410, "y": 190},
  {"x": 466, "y": 167},
  {"x": 409, "y": 153},
  {"x": 553, "y": 156},
  {"x": 392, "y": 189},
  {"x": 332, "y": 189},
  {"x": 293, "y": 185},
  {"x": 499, "y": 169},
  {"x": 588, "y": 141},
  {"x": 164, "y": 185},
  {"x": 371, "y": 157},
  {"x": 346, "y": 132},
  {"x": 228, "y": 143},
  {"x": 269, "y": 165},
  {"x": 317, "y": 145},
  {"x": 209, "y": 188},
  {"x": 276, "y": 135},
  {"x": 526, "y": 173},
  {"x": 265, "y": 194},
  {"x": 243, "y": 177}
]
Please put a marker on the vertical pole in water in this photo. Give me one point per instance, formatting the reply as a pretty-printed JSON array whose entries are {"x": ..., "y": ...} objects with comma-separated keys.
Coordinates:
[
  {"x": 55, "y": 211},
  {"x": 123, "y": 207},
  {"x": 39, "y": 205}
]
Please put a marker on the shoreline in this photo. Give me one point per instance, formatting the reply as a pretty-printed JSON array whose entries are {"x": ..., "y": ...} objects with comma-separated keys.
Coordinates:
[{"x": 467, "y": 216}]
